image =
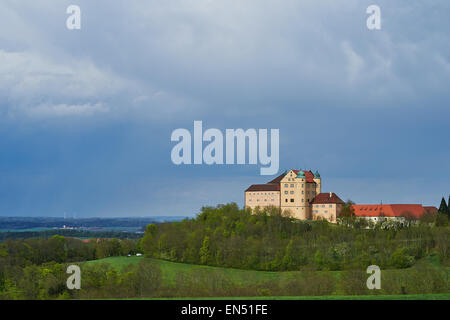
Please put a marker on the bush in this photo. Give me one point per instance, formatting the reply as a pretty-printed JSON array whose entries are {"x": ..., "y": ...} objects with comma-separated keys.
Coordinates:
[
  {"x": 354, "y": 282},
  {"x": 401, "y": 259},
  {"x": 309, "y": 284}
]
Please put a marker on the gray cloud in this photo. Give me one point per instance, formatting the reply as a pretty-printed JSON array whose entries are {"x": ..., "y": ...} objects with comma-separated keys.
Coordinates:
[
  {"x": 94, "y": 108},
  {"x": 205, "y": 55}
]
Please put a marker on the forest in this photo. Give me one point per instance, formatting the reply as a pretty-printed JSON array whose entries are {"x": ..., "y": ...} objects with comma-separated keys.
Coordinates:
[
  {"x": 227, "y": 236},
  {"x": 198, "y": 258}
]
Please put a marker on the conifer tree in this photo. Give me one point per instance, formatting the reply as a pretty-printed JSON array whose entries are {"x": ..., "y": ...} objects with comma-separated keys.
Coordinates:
[{"x": 443, "y": 208}]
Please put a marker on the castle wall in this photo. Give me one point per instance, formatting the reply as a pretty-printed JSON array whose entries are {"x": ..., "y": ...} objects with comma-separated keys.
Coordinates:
[{"x": 262, "y": 199}]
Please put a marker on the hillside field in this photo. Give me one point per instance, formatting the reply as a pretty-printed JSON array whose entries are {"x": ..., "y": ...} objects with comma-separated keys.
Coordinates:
[{"x": 170, "y": 270}]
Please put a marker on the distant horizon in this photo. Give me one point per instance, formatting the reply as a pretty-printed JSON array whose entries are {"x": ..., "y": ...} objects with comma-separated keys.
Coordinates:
[{"x": 193, "y": 215}]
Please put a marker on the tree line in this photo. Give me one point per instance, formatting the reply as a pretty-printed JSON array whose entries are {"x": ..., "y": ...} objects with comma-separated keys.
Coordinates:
[
  {"x": 146, "y": 279},
  {"x": 227, "y": 236},
  {"x": 267, "y": 239},
  {"x": 69, "y": 233}
]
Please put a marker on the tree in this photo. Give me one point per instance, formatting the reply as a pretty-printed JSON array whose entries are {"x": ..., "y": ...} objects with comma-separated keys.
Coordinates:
[
  {"x": 149, "y": 240},
  {"x": 30, "y": 282},
  {"x": 204, "y": 251},
  {"x": 442, "y": 244},
  {"x": 441, "y": 220},
  {"x": 443, "y": 208},
  {"x": 289, "y": 256},
  {"x": 56, "y": 248},
  {"x": 127, "y": 246},
  {"x": 319, "y": 260},
  {"x": 347, "y": 214},
  {"x": 347, "y": 209},
  {"x": 401, "y": 258}
]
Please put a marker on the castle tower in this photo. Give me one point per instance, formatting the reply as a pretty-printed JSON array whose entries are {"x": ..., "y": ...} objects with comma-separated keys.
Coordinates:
[
  {"x": 292, "y": 191},
  {"x": 303, "y": 201},
  {"x": 318, "y": 182}
]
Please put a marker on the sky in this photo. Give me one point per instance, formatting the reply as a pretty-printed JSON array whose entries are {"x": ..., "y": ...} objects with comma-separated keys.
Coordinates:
[{"x": 86, "y": 115}]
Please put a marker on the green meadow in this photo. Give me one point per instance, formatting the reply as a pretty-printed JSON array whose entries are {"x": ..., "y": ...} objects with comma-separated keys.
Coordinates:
[{"x": 242, "y": 277}]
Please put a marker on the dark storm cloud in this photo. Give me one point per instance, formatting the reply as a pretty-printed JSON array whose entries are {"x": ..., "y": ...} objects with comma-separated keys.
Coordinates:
[{"x": 91, "y": 111}]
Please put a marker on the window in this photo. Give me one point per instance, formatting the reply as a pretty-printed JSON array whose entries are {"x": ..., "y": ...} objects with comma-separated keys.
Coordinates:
[
  {"x": 285, "y": 192},
  {"x": 292, "y": 200},
  {"x": 323, "y": 206},
  {"x": 292, "y": 192},
  {"x": 286, "y": 185},
  {"x": 303, "y": 200},
  {"x": 292, "y": 185},
  {"x": 265, "y": 200},
  {"x": 326, "y": 211},
  {"x": 303, "y": 192},
  {"x": 286, "y": 200},
  {"x": 331, "y": 206}
]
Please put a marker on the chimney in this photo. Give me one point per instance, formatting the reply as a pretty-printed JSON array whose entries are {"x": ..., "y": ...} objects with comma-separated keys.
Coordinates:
[{"x": 330, "y": 194}]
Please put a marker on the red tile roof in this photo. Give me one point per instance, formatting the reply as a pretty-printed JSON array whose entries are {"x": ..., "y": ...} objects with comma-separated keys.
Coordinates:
[
  {"x": 263, "y": 187},
  {"x": 328, "y": 197},
  {"x": 308, "y": 175},
  {"x": 389, "y": 210},
  {"x": 431, "y": 209}
]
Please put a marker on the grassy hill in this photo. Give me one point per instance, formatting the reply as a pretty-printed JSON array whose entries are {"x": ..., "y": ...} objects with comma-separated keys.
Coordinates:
[
  {"x": 431, "y": 296},
  {"x": 243, "y": 277},
  {"x": 170, "y": 270}
]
